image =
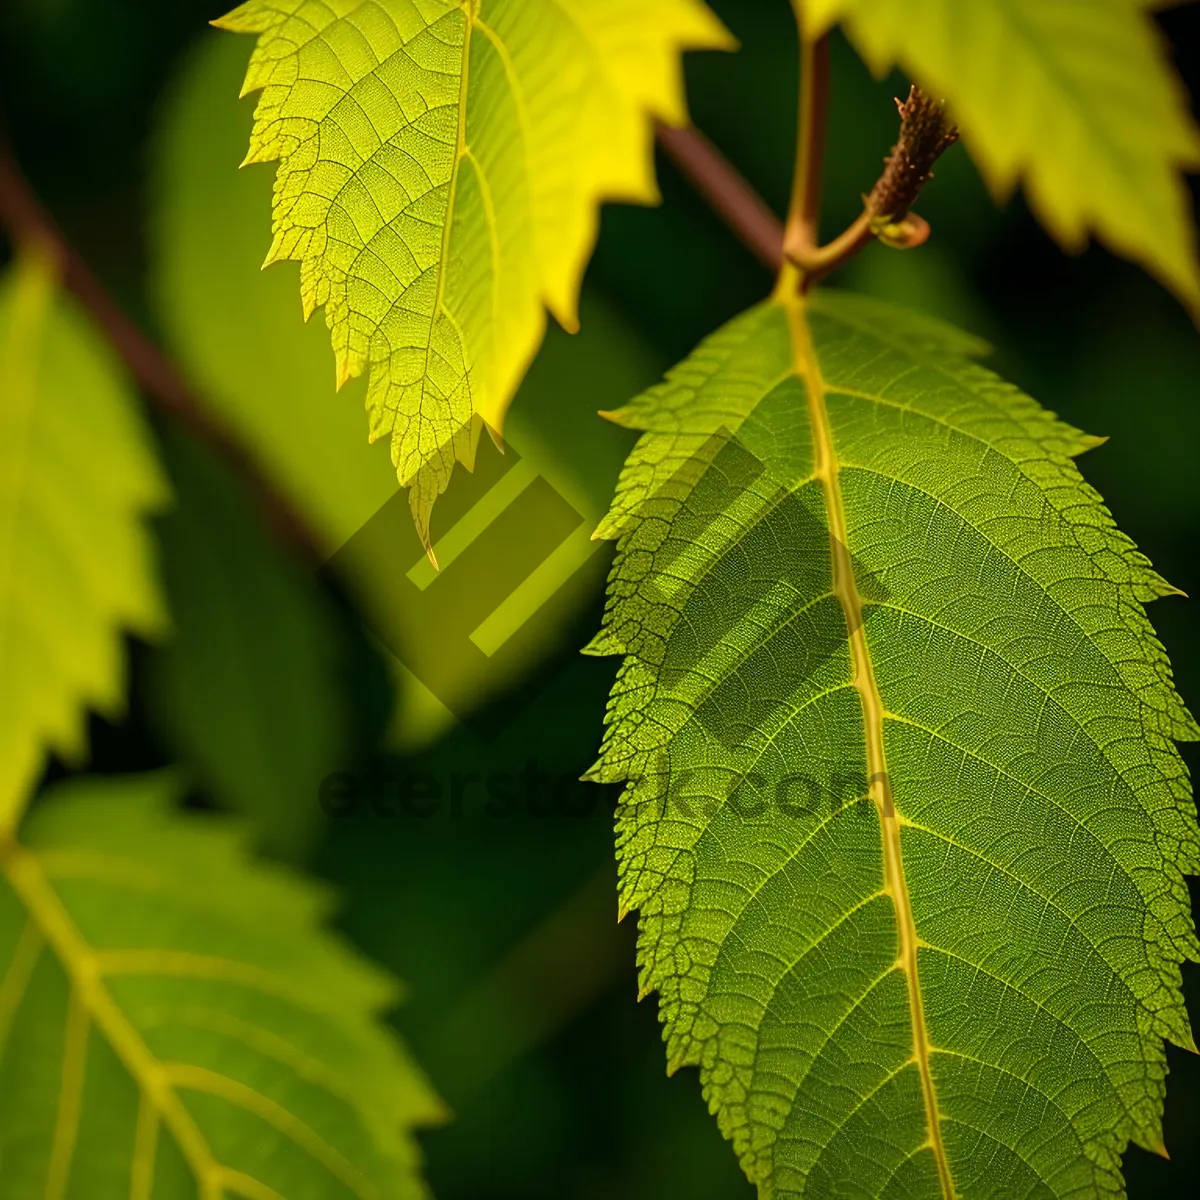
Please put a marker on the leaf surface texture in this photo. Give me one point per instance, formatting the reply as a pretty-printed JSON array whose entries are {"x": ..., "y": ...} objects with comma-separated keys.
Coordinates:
[
  {"x": 904, "y": 819},
  {"x": 174, "y": 1022},
  {"x": 440, "y": 167},
  {"x": 1078, "y": 101}
]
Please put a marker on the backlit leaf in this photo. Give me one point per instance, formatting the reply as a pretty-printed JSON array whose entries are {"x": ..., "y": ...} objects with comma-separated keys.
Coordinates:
[
  {"x": 77, "y": 476},
  {"x": 440, "y": 169},
  {"x": 1076, "y": 100},
  {"x": 233, "y": 329},
  {"x": 905, "y": 820}
]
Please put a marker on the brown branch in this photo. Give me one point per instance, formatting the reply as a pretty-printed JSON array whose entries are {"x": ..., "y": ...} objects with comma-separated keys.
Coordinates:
[
  {"x": 925, "y": 134},
  {"x": 733, "y": 199},
  {"x": 26, "y": 220}
]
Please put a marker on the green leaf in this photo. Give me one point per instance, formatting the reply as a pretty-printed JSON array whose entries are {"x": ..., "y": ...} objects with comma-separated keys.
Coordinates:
[
  {"x": 248, "y": 692},
  {"x": 77, "y": 476},
  {"x": 1078, "y": 101},
  {"x": 905, "y": 820},
  {"x": 440, "y": 167},
  {"x": 175, "y": 1023},
  {"x": 233, "y": 329}
]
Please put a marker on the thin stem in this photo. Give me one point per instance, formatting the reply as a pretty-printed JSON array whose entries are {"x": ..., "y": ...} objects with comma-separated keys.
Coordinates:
[
  {"x": 27, "y": 221},
  {"x": 727, "y": 191},
  {"x": 803, "y": 223},
  {"x": 820, "y": 261},
  {"x": 925, "y": 134}
]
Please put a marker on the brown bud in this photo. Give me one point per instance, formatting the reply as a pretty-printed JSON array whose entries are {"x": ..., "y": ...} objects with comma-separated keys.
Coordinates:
[{"x": 925, "y": 134}]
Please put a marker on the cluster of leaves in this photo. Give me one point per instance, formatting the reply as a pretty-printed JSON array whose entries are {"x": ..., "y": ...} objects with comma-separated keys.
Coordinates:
[
  {"x": 845, "y": 551},
  {"x": 174, "y": 1020}
]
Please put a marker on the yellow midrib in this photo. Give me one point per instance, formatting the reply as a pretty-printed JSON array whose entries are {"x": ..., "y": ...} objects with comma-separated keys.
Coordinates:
[
  {"x": 46, "y": 911},
  {"x": 827, "y": 469}
]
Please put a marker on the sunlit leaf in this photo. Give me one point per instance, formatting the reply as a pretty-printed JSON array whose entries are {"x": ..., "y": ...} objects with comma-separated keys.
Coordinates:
[
  {"x": 1078, "y": 101},
  {"x": 905, "y": 820},
  {"x": 233, "y": 328},
  {"x": 440, "y": 169}
]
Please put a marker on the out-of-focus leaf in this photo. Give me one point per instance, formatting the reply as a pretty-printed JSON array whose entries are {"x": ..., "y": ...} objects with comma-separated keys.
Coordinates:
[
  {"x": 233, "y": 326},
  {"x": 176, "y": 1022},
  {"x": 247, "y": 692},
  {"x": 77, "y": 477},
  {"x": 1079, "y": 101}
]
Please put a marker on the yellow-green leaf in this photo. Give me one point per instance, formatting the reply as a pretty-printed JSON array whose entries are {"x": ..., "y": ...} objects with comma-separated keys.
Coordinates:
[
  {"x": 234, "y": 330},
  {"x": 440, "y": 167},
  {"x": 176, "y": 1022},
  {"x": 1076, "y": 100},
  {"x": 77, "y": 475}
]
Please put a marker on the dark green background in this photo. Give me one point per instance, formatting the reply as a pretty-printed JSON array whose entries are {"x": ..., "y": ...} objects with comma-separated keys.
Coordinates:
[{"x": 522, "y": 989}]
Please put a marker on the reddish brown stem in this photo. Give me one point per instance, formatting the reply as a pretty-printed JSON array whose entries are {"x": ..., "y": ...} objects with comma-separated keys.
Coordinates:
[{"x": 726, "y": 190}]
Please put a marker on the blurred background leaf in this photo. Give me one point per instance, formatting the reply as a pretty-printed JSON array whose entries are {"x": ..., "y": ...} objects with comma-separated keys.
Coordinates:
[
  {"x": 249, "y": 692},
  {"x": 177, "y": 1022},
  {"x": 78, "y": 478}
]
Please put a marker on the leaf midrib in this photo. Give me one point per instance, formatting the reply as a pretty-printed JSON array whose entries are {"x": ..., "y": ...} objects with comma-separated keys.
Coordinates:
[
  {"x": 827, "y": 471},
  {"x": 157, "y": 1082},
  {"x": 45, "y": 909}
]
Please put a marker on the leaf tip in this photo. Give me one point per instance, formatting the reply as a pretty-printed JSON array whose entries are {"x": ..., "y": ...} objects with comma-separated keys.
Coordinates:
[
  {"x": 566, "y": 312},
  {"x": 497, "y": 439},
  {"x": 611, "y": 528},
  {"x": 345, "y": 368}
]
